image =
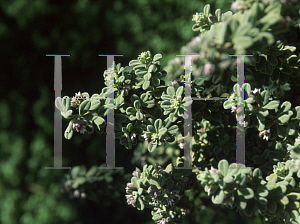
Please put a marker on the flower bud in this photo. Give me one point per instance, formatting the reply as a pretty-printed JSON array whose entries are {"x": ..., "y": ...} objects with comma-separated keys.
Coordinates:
[
  {"x": 130, "y": 199},
  {"x": 235, "y": 6},
  {"x": 208, "y": 69},
  {"x": 76, "y": 193},
  {"x": 83, "y": 195},
  {"x": 76, "y": 100},
  {"x": 80, "y": 126}
]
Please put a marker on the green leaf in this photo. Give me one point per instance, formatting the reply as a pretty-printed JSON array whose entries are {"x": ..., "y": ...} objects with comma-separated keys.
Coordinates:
[
  {"x": 161, "y": 181},
  {"x": 135, "y": 182},
  {"x": 240, "y": 202},
  {"x": 272, "y": 60},
  {"x": 246, "y": 192},
  {"x": 95, "y": 104},
  {"x": 284, "y": 118},
  {"x": 219, "y": 197},
  {"x": 223, "y": 167},
  {"x": 273, "y": 177},
  {"x": 263, "y": 112},
  {"x": 156, "y": 217},
  {"x": 247, "y": 88},
  {"x": 149, "y": 104},
  {"x": 137, "y": 104},
  {"x": 147, "y": 76},
  {"x": 262, "y": 200},
  {"x": 140, "y": 191},
  {"x": 84, "y": 107},
  {"x": 262, "y": 191},
  {"x": 155, "y": 81},
  {"x": 279, "y": 190},
  {"x": 130, "y": 111},
  {"x": 163, "y": 131},
  {"x": 284, "y": 200},
  {"x": 121, "y": 118},
  {"x": 272, "y": 205},
  {"x": 140, "y": 204},
  {"x": 129, "y": 127},
  {"x": 271, "y": 185},
  {"x": 99, "y": 122},
  {"x": 206, "y": 9},
  {"x": 293, "y": 196},
  {"x": 69, "y": 131},
  {"x": 243, "y": 41},
  {"x": 75, "y": 171},
  {"x": 146, "y": 85},
  {"x": 228, "y": 179},
  {"x": 242, "y": 29},
  {"x": 173, "y": 129},
  {"x": 78, "y": 181},
  {"x": 272, "y": 105},
  {"x": 221, "y": 29},
  {"x": 298, "y": 112},
  {"x": 152, "y": 146},
  {"x": 158, "y": 124},
  {"x": 133, "y": 98},
  {"x": 151, "y": 129},
  {"x": 265, "y": 35},
  {"x": 217, "y": 149},
  {"x": 92, "y": 171},
  {"x": 179, "y": 91},
  {"x": 157, "y": 57},
  {"x": 170, "y": 185},
  {"x": 218, "y": 14},
  {"x": 228, "y": 104},
  {"x": 286, "y": 69},
  {"x": 171, "y": 91},
  {"x": 139, "y": 116},
  {"x": 281, "y": 131}
]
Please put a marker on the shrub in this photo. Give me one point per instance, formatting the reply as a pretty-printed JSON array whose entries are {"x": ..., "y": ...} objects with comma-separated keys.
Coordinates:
[{"x": 147, "y": 110}]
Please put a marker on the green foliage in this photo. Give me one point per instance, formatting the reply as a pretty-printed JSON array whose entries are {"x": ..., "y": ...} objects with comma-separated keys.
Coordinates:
[
  {"x": 155, "y": 188},
  {"x": 148, "y": 110}
]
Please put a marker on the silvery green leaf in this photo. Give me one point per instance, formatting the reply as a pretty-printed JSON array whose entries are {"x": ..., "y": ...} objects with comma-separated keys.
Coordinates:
[
  {"x": 69, "y": 131},
  {"x": 171, "y": 91},
  {"x": 59, "y": 105}
]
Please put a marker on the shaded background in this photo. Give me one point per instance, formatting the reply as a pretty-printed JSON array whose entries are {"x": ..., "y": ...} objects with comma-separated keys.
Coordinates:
[{"x": 30, "y": 29}]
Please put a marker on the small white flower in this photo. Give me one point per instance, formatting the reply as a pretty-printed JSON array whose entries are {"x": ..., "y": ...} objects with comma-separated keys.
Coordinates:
[
  {"x": 209, "y": 191},
  {"x": 158, "y": 211},
  {"x": 233, "y": 109},
  {"x": 77, "y": 193},
  {"x": 161, "y": 221},
  {"x": 132, "y": 136},
  {"x": 235, "y": 6},
  {"x": 213, "y": 171},
  {"x": 243, "y": 123},
  {"x": 181, "y": 145},
  {"x": 146, "y": 137},
  {"x": 136, "y": 172},
  {"x": 208, "y": 69},
  {"x": 265, "y": 134},
  {"x": 130, "y": 199},
  {"x": 83, "y": 195},
  {"x": 256, "y": 90},
  {"x": 80, "y": 126},
  {"x": 197, "y": 39}
]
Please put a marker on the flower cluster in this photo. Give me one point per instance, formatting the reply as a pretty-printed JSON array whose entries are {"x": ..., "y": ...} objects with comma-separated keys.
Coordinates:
[
  {"x": 161, "y": 190},
  {"x": 76, "y": 100},
  {"x": 80, "y": 126}
]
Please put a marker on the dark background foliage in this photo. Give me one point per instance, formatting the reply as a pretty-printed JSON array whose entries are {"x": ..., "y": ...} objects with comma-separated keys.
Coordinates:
[{"x": 29, "y": 30}]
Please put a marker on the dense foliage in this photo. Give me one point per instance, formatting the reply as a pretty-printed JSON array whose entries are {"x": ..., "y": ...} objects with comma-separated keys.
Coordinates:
[{"x": 146, "y": 109}]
